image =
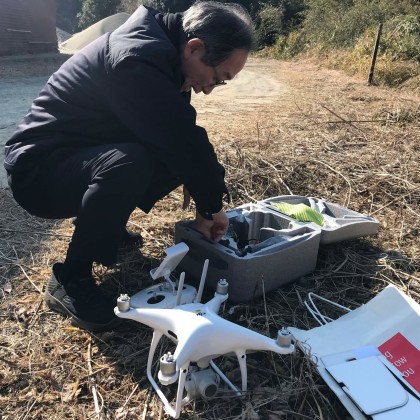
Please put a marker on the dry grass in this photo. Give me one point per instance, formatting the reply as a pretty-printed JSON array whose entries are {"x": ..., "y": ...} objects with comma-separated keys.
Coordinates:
[{"x": 353, "y": 146}]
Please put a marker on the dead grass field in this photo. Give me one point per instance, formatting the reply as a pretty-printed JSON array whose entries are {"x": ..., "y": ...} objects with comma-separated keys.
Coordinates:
[{"x": 323, "y": 134}]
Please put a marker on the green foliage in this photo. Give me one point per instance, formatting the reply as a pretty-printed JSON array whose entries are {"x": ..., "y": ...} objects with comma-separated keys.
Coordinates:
[
  {"x": 270, "y": 23},
  {"x": 323, "y": 21},
  {"x": 344, "y": 33},
  {"x": 394, "y": 74},
  {"x": 290, "y": 45},
  {"x": 339, "y": 23},
  {"x": 128, "y": 6},
  {"x": 402, "y": 38},
  {"x": 332, "y": 24},
  {"x": 364, "y": 45},
  {"x": 95, "y": 10},
  {"x": 67, "y": 11},
  {"x": 276, "y": 18}
]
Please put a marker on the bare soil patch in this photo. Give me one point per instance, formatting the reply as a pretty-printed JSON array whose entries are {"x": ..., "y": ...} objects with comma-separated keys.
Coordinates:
[{"x": 284, "y": 127}]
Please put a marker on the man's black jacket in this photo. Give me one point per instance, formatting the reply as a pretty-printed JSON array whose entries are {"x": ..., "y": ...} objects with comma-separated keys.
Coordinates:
[{"x": 124, "y": 87}]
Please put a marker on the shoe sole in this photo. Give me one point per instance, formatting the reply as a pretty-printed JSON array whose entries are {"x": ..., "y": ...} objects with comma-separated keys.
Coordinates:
[{"x": 57, "y": 306}]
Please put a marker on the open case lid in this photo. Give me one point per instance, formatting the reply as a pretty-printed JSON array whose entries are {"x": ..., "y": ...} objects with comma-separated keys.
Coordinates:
[
  {"x": 339, "y": 223},
  {"x": 394, "y": 334}
]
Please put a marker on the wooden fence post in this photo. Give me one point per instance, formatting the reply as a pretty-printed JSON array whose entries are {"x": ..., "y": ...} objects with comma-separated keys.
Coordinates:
[{"x": 375, "y": 53}]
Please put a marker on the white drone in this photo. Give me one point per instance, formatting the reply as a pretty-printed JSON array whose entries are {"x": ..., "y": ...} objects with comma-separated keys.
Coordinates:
[{"x": 174, "y": 310}]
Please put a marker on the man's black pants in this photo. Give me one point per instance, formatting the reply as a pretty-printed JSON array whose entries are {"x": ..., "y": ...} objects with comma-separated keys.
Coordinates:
[{"x": 101, "y": 185}]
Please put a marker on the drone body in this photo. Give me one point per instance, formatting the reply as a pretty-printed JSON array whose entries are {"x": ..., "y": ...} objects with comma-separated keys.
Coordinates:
[{"x": 201, "y": 335}]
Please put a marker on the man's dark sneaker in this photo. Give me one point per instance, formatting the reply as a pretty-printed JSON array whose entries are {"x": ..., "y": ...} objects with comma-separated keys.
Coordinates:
[{"x": 82, "y": 301}]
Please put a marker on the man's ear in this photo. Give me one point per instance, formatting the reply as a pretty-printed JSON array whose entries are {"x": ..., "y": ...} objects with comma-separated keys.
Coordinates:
[{"x": 193, "y": 46}]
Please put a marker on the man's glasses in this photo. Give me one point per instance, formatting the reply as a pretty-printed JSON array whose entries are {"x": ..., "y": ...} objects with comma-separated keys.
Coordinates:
[{"x": 217, "y": 81}]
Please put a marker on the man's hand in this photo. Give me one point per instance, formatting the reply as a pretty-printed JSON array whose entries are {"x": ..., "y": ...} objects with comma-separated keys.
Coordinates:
[{"x": 212, "y": 229}]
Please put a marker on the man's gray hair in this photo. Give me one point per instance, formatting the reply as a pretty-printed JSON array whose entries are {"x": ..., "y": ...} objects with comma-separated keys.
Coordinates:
[{"x": 223, "y": 27}]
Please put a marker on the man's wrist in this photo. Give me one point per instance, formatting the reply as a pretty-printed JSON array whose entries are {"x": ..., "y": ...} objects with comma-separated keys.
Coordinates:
[{"x": 208, "y": 214}]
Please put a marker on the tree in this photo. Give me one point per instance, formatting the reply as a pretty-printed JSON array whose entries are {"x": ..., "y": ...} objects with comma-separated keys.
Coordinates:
[
  {"x": 67, "y": 11},
  {"x": 270, "y": 24},
  {"x": 95, "y": 10},
  {"x": 129, "y": 6},
  {"x": 277, "y": 17}
]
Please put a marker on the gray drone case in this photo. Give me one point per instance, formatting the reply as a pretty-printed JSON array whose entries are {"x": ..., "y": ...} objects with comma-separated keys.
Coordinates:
[{"x": 264, "y": 248}]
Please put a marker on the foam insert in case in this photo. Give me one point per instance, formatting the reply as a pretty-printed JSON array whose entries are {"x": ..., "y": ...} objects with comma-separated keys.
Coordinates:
[{"x": 340, "y": 222}]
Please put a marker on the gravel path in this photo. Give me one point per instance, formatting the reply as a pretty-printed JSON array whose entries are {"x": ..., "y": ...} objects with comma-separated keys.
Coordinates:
[{"x": 17, "y": 96}]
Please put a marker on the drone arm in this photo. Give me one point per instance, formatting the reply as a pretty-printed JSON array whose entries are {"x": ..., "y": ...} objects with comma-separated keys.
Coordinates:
[{"x": 214, "y": 304}]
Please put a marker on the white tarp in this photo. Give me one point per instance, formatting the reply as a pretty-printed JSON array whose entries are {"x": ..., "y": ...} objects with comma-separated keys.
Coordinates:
[{"x": 387, "y": 328}]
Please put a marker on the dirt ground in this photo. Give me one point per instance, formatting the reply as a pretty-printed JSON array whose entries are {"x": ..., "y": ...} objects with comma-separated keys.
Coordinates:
[
  {"x": 280, "y": 128},
  {"x": 21, "y": 79}
]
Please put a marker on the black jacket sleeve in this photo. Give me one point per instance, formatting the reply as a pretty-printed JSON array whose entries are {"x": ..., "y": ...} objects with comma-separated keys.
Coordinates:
[{"x": 147, "y": 101}]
